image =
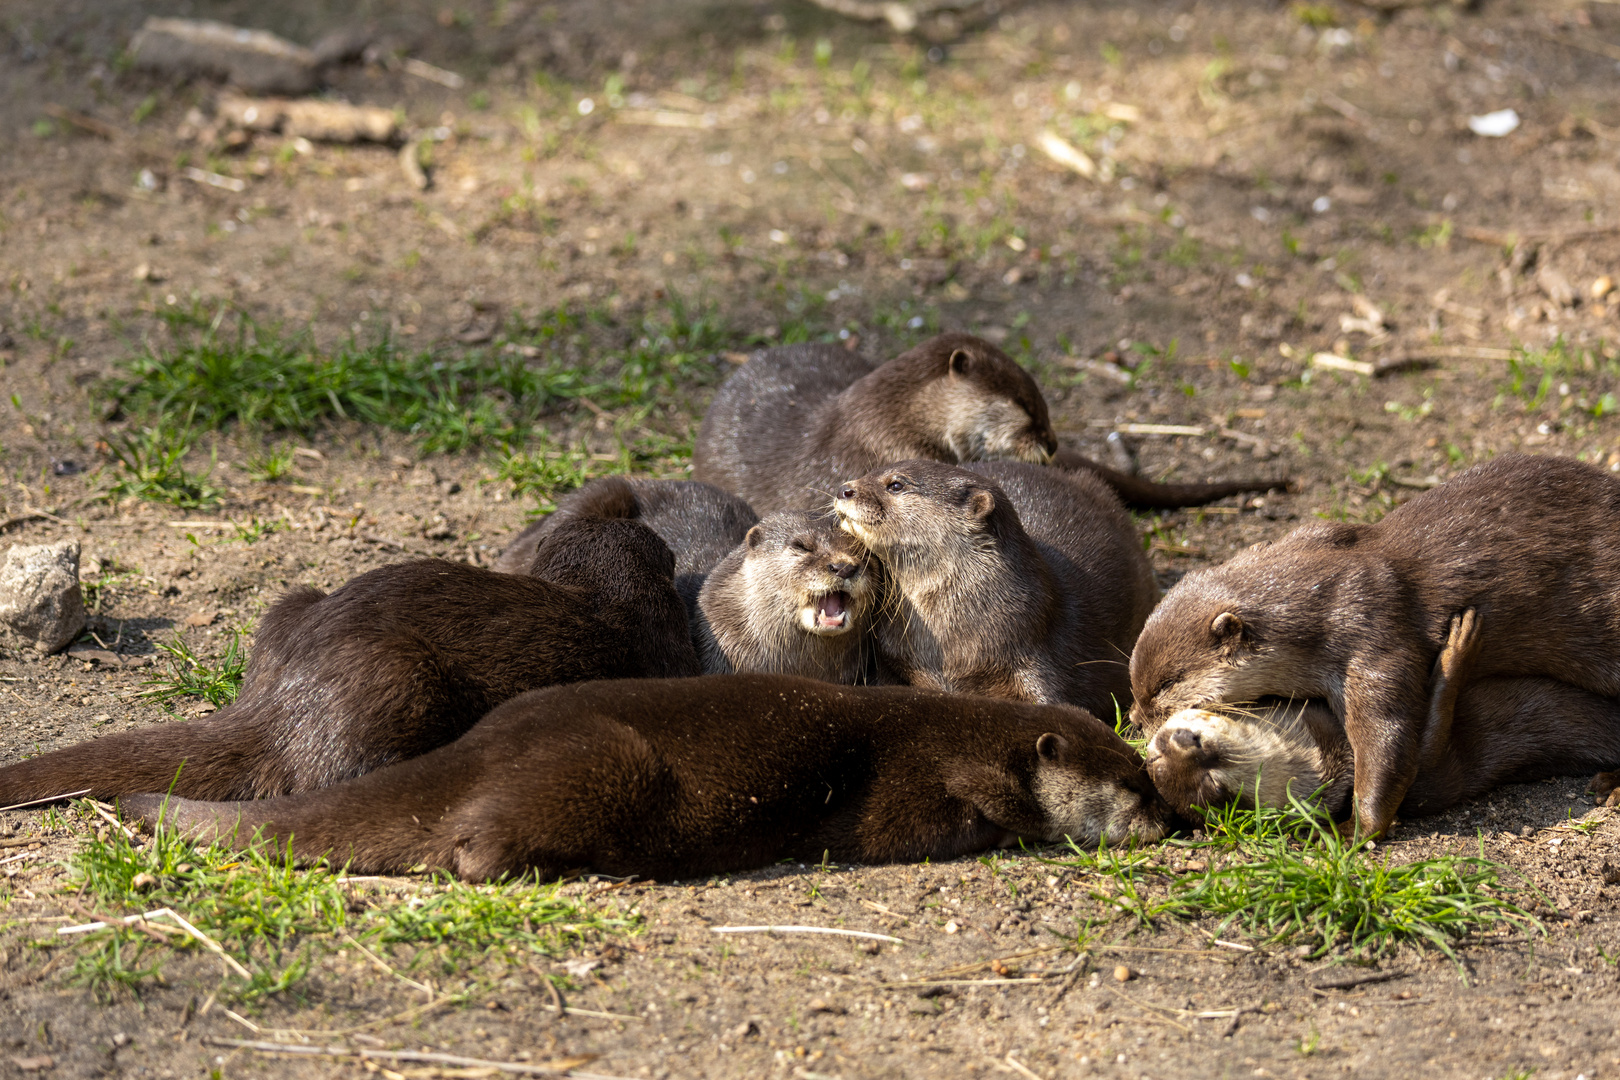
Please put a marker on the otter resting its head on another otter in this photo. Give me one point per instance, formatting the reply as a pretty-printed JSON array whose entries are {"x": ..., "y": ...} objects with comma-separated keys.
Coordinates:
[
  {"x": 1006, "y": 579},
  {"x": 792, "y": 599}
]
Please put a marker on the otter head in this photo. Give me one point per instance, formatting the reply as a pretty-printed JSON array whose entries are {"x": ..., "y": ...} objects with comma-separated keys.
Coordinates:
[
  {"x": 1092, "y": 787},
  {"x": 807, "y": 567},
  {"x": 921, "y": 513},
  {"x": 972, "y": 402},
  {"x": 1253, "y": 757},
  {"x": 619, "y": 558}
]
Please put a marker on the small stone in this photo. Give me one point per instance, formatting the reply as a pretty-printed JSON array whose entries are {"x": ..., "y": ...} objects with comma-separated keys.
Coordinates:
[
  {"x": 120, "y": 1039},
  {"x": 1602, "y": 287},
  {"x": 142, "y": 881},
  {"x": 40, "y": 601},
  {"x": 821, "y": 1005},
  {"x": 1123, "y": 974},
  {"x": 255, "y": 60},
  {"x": 743, "y": 1030}
]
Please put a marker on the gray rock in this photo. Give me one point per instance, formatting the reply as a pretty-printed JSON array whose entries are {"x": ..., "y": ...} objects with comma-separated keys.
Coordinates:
[
  {"x": 254, "y": 60},
  {"x": 40, "y": 601}
]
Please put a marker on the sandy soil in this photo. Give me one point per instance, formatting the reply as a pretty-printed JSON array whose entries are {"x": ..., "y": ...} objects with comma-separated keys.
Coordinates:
[{"x": 1281, "y": 182}]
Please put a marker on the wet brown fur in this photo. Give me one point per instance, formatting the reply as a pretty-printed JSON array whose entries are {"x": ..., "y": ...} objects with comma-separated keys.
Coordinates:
[
  {"x": 1357, "y": 614},
  {"x": 397, "y": 662},
  {"x": 677, "y": 778},
  {"x": 1006, "y": 579},
  {"x": 700, "y": 523}
]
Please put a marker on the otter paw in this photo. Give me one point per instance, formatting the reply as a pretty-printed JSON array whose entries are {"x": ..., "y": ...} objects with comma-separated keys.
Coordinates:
[
  {"x": 1462, "y": 641},
  {"x": 1605, "y": 788}
]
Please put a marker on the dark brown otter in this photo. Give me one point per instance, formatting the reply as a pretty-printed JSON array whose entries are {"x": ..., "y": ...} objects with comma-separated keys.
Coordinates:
[
  {"x": 798, "y": 420},
  {"x": 794, "y": 598},
  {"x": 402, "y": 659},
  {"x": 697, "y": 776},
  {"x": 700, "y": 523},
  {"x": 1498, "y": 731},
  {"x": 1007, "y": 579},
  {"x": 1357, "y": 614}
]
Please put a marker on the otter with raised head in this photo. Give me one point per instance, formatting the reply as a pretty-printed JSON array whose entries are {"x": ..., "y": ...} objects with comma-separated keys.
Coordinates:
[
  {"x": 700, "y": 523},
  {"x": 1499, "y": 731},
  {"x": 397, "y": 662},
  {"x": 1006, "y": 579},
  {"x": 794, "y": 598},
  {"x": 1357, "y": 614},
  {"x": 699, "y": 776},
  {"x": 796, "y": 421}
]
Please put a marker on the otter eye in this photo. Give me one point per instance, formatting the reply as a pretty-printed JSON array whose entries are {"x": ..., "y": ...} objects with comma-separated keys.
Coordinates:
[
  {"x": 896, "y": 486},
  {"x": 800, "y": 545},
  {"x": 1167, "y": 684}
]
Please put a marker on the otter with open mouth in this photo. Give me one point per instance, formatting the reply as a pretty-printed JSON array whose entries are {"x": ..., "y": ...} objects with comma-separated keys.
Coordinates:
[
  {"x": 791, "y": 599},
  {"x": 1499, "y": 730}
]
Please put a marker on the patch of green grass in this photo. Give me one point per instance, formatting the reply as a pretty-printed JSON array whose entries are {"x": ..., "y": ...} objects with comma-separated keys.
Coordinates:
[
  {"x": 1286, "y": 876},
  {"x": 151, "y": 466},
  {"x": 450, "y": 398},
  {"x": 187, "y": 675},
  {"x": 276, "y": 918},
  {"x": 270, "y": 466}
]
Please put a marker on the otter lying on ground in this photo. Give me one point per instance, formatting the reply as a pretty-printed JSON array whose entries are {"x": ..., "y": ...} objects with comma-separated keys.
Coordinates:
[
  {"x": 794, "y": 598},
  {"x": 402, "y": 659},
  {"x": 796, "y": 421},
  {"x": 700, "y": 523},
  {"x": 1504, "y": 731},
  {"x": 1357, "y": 614},
  {"x": 698, "y": 776},
  {"x": 1006, "y": 579}
]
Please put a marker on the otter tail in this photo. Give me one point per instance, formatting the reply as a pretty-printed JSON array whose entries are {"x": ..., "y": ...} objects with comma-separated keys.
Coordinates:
[
  {"x": 219, "y": 758},
  {"x": 1143, "y": 494}
]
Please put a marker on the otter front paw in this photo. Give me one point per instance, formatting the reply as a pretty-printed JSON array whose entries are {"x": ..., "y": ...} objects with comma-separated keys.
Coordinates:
[{"x": 1605, "y": 788}]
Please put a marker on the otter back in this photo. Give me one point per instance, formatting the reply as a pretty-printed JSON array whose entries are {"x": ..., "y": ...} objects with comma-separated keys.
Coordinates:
[
  {"x": 398, "y": 661},
  {"x": 685, "y": 777},
  {"x": 700, "y": 523}
]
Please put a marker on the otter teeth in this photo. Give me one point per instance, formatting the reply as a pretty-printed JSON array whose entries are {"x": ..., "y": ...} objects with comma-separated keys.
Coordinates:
[{"x": 831, "y": 611}]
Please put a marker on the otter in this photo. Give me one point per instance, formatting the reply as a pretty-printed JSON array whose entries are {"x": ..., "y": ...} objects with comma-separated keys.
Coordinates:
[
  {"x": 792, "y": 599},
  {"x": 1007, "y": 579},
  {"x": 797, "y": 420},
  {"x": 699, "y": 522},
  {"x": 397, "y": 662},
  {"x": 1357, "y": 614},
  {"x": 1497, "y": 731},
  {"x": 671, "y": 779}
]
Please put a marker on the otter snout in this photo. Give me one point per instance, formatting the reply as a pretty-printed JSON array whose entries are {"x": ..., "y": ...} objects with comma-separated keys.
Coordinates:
[{"x": 843, "y": 571}]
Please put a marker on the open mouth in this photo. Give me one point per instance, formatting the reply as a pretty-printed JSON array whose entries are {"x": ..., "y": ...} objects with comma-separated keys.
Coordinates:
[{"x": 829, "y": 614}]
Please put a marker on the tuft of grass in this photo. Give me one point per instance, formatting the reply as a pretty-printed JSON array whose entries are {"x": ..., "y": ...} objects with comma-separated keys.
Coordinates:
[
  {"x": 270, "y": 466},
  {"x": 151, "y": 466},
  {"x": 187, "y": 675},
  {"x": 1286, "y": 876},
  {"x": 277, "y": 919}
]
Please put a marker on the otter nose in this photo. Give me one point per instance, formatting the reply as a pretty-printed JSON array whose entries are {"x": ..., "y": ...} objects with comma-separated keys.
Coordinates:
[
  {"x": 843, "y": 570},
  {"x": 1185, "y": 740},
  {"x": 847, "y": 491}
]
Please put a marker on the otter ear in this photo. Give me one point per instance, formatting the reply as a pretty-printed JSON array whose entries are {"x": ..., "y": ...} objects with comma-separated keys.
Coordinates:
[
  {"x": 1226, "y": 626},
  {"x": 959, "y": 361},
  {"x": 753, "y": 537},
  {"x": 982, "y": 504},
  {"x": 1050, "y": 745}
]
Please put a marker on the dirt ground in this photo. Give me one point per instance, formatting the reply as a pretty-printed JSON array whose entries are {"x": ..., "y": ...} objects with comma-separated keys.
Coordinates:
[{"x": 1270, "y": 183}]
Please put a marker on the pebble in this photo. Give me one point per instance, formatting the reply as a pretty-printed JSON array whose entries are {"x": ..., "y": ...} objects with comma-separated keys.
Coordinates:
[
  {"x": 40, "y": 600},
  {"x": 1123, "y": 974}
]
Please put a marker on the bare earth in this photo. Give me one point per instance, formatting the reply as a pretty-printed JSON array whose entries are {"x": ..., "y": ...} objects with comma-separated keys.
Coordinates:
[{"x": 1272, "y": 183}]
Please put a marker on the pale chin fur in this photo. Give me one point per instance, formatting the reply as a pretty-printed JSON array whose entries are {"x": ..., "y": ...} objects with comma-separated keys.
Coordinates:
[
  {"x": 1093, "y": 812},
  {"x": 978, "y": 428},
  {"x": 1262, "y": 757}
]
